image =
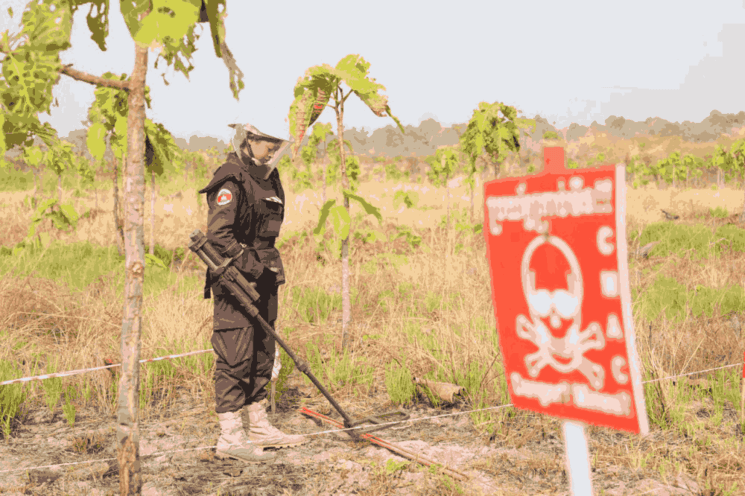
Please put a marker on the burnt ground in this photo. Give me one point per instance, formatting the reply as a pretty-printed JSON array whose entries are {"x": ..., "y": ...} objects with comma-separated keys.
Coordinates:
[{"x": 328, "y": 464}]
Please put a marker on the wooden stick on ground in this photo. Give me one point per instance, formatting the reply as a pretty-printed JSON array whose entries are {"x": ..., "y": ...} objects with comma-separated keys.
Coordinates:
[{"x": 399, "y": 450}]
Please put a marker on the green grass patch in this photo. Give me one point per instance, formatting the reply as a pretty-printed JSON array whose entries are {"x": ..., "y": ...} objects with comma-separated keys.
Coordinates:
[
  {"x": 719, "y": 212},
  {"x": 80, "y": 264},
  {"x": 314, "y": 305},
  {"x": 721, "y": 389},
  {"x": 399, "y": 384},
  {"x": 668, "y": 296},
  {"x": 11, "y": 396},
  {"x": 337, "y": 369},
  {"x": 696, "y": 242},
  {"x": 386, "y": 299}
]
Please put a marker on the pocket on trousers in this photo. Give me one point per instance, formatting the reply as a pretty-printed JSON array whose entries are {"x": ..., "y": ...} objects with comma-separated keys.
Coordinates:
[
  {"x": 233, "y": 346},
  {"x": 272, "y": 304}
]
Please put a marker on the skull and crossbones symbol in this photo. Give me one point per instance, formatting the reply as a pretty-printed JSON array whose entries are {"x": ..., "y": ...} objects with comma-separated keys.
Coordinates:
[{"x": 564, "y": 354}]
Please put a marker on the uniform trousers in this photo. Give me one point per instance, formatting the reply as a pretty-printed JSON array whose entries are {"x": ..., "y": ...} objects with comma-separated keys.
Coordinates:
[{"x": 245, "y": 358}]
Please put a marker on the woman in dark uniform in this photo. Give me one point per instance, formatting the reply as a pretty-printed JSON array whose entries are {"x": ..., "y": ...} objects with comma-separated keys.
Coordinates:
[{"x": 246, "y": 209}]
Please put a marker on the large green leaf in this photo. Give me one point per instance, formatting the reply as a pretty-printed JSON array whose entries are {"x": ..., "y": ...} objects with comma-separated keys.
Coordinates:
[
  {"x": 32, "y": 155},
  {"x": 216, "y": 12},
  {"x": 109, "y": 104},
  {"x": 96, "y": 141},
  {"x": 353, "y": 70},
  {"x": 164, "y": 146},
  {"x": 69, "y": 211},
  {"x": 323, "y": 215},
  {"x": 369, "y": 208},
  {"x": 29, "y": 75},
  {"x": 60, "y": 221},
  {"x": 168, "y": 19},
  {"x": 48, "y": 25},
  {"x": 99, "y": 24},
  {"x": 41, "y": 209},
  {"x": 312, "y": 94},
  {"x": 341, "y": 220},
  {"x": 44, "y": 240},
  {"x": 153, "y": 261},
  {"x": 132, "y": 10},
  {"x": 370, "y": 235}
]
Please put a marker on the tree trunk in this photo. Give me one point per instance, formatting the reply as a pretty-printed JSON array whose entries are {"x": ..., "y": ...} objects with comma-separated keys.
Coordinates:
[
  {"x": 59, "y": 189},
  {"x": 346, "y": 308},
  {"x": 673, "y": 176},
  {"x": 152, "y": 212},
  {"x": 472, "y": 188},
  {"x": 128, "y": 430},
  {"x": 118, "y": 233},
  {"x": 742, "y": 214},
  {"x": 447, "y": 195},
  {"x": 323, "y": 165}
]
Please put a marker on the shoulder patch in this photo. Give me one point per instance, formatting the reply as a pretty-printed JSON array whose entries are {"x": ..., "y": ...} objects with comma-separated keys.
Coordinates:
[{"x": 224, "y": 196}]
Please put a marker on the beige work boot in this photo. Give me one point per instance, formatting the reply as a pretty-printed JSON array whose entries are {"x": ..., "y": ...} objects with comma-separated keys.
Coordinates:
[
  {"x": 263, "y": 434},
  {"x": 234, "y": 443}
]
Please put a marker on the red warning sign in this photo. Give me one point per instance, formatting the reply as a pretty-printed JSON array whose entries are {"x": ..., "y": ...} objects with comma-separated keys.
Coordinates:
[{"x": 556, "y": 244}]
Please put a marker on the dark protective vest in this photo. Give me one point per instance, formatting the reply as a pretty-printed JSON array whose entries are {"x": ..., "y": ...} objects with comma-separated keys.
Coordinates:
[{"x": 253, "y": 224}]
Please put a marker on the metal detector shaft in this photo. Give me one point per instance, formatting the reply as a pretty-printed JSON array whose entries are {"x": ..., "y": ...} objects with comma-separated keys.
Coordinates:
[{"x": 243, "y": 290}]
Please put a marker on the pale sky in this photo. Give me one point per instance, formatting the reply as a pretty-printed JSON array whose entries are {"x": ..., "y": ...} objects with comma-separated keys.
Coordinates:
[{"x": 570, "y": 61}]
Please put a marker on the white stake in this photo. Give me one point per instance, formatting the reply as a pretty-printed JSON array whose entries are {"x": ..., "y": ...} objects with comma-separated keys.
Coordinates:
[{"x": 577, "y": 458}]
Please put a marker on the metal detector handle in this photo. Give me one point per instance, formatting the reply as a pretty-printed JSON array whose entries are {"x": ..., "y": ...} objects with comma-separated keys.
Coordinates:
[{"x": 242, "y": 290}]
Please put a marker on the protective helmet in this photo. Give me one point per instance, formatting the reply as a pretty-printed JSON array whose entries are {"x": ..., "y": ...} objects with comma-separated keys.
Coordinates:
[{"x": 247, "y": 131}]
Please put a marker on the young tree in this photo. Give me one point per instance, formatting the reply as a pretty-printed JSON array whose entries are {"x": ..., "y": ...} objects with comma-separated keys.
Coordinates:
[
  {"x": 34, "y": 157},
  {"x": 723, "y": 163},
  {"x": 737, "y": 152},
  {"x": 31, "y": 67},
  {"x": 442, "y": 166},
  {"x": 161, "y": 150},
  {"x": 312, "y": 94},
  {"x": 108, "y": 117},
  {"x": 87, "y": 172},
  {"x": 692, "y": 167},
  {"x": 333, "y": 170},
  {"x": 492, "y": 134},
  {"x": 60, "y": 159},
  {"x": 488, "y": 134}
]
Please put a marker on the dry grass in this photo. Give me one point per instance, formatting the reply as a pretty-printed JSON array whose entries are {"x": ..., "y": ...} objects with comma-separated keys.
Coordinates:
[{"x": 442, "y": 320}]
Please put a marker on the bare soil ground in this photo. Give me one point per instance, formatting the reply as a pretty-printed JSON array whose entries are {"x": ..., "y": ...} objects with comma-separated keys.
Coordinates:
[{"x": 174, "y": 464}]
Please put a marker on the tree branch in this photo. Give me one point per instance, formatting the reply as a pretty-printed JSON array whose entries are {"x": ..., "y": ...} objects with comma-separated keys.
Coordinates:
[
  {"x": 94, "y": 80},
  {"x": 81, "y": 76}
]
